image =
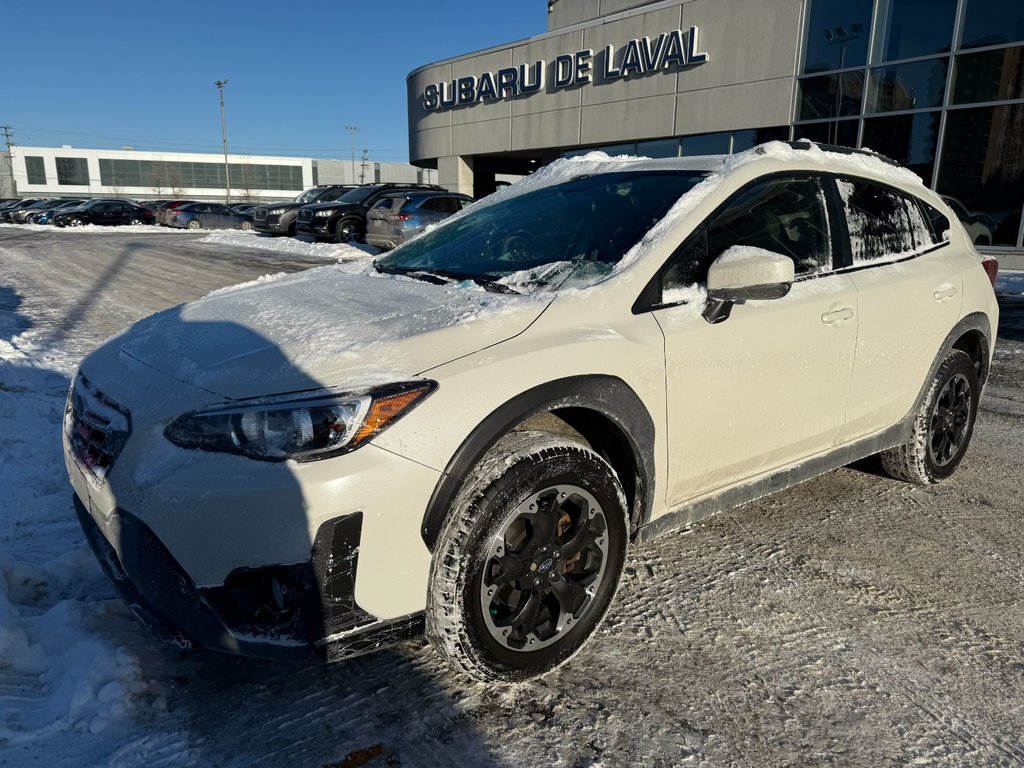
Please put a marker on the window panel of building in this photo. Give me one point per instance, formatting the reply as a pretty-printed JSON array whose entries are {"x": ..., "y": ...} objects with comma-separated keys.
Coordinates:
[
  {"x": 35, "y": 169},
  {"x": 706, "y": 144},
  {"x": 910, "y": 140},
  {"x": 742, "y": 140},
  {"x": 658, "y": 148},
  {"x": 982, "y": 167},
  {"x": 842, "y": 133},
  {"x": 989, "y": 76},
  {"x": 170, "y": 175},
  {"x": 831, "y": 96},
  {"x": 911, "y": 28},
  {"x": 72, "y": 171},
  {"x": 837, "y": 34},
  {"x": 907, "y": 86},
  {"x": 992, "y": 22},
  {"x": 614, "y": 150}
]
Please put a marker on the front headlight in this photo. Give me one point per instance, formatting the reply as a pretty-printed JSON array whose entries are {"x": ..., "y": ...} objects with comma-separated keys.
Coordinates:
[
  {"x": 324, "y": 213},
  {"x": 302, "y": 429},
  {"x": 275, "y": 211}
]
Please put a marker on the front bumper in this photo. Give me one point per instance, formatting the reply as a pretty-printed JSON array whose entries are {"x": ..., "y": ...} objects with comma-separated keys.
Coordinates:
[
  {"x": 301, "y": 612},
  {"x": 277, "y": 224},
  {"x": 322, "y": 226}
]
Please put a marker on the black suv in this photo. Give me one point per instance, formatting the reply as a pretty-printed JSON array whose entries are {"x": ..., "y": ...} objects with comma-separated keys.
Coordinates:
[
  {"x": 344, "y": 220},
  {"x": 279, "y": 218}
]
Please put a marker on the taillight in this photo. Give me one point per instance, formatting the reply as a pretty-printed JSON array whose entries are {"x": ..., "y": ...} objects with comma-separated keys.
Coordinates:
[
  {"x": 991, "y": 265},
  {"x": 404, "y": 217}
]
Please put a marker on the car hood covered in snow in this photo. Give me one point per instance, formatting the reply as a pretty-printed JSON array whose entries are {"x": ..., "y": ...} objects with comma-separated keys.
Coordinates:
[{"x": 324, "y": 327}]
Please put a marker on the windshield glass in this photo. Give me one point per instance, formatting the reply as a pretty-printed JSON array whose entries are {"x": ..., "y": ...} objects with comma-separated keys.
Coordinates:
[
  {"x": 583, "y": 227},
  {"x": 308, "y": 196}
]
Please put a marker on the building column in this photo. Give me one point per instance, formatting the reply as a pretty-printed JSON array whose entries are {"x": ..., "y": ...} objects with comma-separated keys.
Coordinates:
[{"x": 456, "y": 174}]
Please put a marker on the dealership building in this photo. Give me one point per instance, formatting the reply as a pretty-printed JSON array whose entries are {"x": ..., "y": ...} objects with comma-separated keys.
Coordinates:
[{"x": 936, "y": 84}]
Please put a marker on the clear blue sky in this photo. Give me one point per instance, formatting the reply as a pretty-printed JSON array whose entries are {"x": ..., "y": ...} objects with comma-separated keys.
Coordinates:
[{"x": 105, "y": 74}]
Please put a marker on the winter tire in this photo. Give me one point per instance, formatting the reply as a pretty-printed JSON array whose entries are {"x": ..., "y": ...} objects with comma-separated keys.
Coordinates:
[
  {"x": 76, "y": 222},
  {"x": 942, "y": 426},
  {"x": 195, "y": 224},
  {"x": 349, "y": 231},
  {"x": 529, "y": 559},
  {"x": 245, "y": 226},
  {"x": 134, "y": 222}
]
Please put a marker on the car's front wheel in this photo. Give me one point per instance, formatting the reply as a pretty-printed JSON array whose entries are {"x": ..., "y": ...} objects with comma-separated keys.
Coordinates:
[
  {"x": 529, "y": 560},
  {"x": 348, "y": 231},
  {"x": 943, "y": 425}
]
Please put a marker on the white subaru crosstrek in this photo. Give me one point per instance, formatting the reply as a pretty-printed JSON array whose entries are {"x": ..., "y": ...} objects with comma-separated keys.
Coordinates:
[{"x": 467, "y": 435}]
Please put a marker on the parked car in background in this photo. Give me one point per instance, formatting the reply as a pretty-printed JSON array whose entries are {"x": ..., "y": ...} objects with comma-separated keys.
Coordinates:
[
  {"x": 279, "y": 218},
  {"x": 105, "y": 212},
  {"x": 344, "y": 220},
  {"x": 164, "y": 212},
  {"x": 979, "y": 226},
  {"x": 8, "y": 212},
  {"x": 209, "y": 216},
  {"x": 242, "y": 207},
  {"x": 20, "y": 216},
  {"x": 45, "y": 215},
  {"x": 398, "y": 217},
  {"x": 472, "y": 433}
]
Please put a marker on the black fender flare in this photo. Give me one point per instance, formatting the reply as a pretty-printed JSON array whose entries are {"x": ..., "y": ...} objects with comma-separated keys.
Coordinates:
[
  {"x": 609, "y": 396},
  {"x": 975, "y": 321}
]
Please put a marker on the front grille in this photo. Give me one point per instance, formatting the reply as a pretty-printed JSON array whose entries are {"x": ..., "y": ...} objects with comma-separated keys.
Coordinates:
[
  {"x": 96, "y": 427},
  {"x": 259, "y": 215}
]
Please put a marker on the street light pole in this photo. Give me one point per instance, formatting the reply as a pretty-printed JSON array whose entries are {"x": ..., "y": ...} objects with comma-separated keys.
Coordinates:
[
  {"x": 224, "y": 133},
  {"x": 352, "y": 131}
]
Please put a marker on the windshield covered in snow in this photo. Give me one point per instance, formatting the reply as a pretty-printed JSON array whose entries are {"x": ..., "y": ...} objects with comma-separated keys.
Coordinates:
[{"x": 584, "y": 226}]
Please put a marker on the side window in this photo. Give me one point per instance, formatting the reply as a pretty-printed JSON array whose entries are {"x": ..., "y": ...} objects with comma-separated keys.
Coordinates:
[
  {"x": 384, "y": 204},
  {"x": 939, "y": 222},
  {"x": 785, "y": 215},
  {"x": 431, "y": 204},
  {"x": 884, "y": 224}
]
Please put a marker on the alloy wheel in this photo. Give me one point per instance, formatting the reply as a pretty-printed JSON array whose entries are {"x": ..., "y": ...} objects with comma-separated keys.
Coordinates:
[
  {"x": 543, "y": 567},
  {"x": 950, "y": 418}
]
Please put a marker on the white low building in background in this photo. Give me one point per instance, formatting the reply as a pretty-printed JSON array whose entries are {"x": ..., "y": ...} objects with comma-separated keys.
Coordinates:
[{"x": 75, "y": 172}]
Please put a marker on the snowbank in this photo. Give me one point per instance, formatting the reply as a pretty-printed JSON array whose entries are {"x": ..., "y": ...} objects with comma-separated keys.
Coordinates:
[{"x": 294, "y": 246}]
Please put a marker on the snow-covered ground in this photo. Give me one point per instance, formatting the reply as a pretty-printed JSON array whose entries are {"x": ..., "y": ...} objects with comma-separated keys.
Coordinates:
[{"x": 853, "y": 620}]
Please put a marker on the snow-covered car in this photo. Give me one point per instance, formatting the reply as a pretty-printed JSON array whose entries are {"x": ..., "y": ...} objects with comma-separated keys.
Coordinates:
[{"x": 467, "y": 435}]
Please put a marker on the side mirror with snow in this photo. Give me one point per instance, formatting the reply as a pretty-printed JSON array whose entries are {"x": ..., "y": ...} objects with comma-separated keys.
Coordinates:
[{"x": 746, "y": 273}]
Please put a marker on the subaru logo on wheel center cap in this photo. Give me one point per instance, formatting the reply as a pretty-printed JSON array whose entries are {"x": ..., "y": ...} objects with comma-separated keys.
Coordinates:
[{"x": 546, "y": 565}]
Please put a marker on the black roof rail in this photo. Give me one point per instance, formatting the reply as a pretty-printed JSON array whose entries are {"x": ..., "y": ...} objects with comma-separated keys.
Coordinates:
[{"x": 807, "y": 144}]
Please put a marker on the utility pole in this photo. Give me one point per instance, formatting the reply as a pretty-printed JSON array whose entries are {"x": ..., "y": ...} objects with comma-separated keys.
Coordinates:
[
  {"x": 10, "y": 157},
  {"x": 224, "y": 133},
  {"x": 352, "y": 132},
  {"x": 362, "y": 169}
]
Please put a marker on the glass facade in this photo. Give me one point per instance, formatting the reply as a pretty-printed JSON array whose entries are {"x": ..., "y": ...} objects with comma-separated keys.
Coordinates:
[
  {"x": 937, "y": 85},
  {"x": 697, "y": 144},
  {"x": 35, "y": 170},
  {"x": 72, "y": 171},
  {"x": 171, "y": 175}
]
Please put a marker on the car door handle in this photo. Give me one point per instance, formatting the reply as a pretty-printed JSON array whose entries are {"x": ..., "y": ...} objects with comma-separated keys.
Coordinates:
[
  {"x": 837, "y": 316},
  {"x": 944, "y": 292}
]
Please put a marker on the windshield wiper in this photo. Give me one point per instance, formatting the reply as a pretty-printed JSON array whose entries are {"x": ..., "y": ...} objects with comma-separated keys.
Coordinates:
[{"x": 446, "y": 277}]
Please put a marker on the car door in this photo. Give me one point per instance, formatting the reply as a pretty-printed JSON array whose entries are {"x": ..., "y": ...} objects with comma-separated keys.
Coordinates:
[
  {"x": 219, "y": 217},
  {"x": 766, "y": 387},
  {"x": 909, "y": 283}
]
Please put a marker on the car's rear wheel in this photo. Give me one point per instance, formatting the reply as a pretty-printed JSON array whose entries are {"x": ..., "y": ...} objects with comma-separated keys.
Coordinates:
[
  {"x": 194, "y": 224},
  {"x": 348, "y": 231},
  {"x": 76, "y": 222},
  {"x": 134, "y": 222},
  {"x": 529, "y": 560},
  {"x": 943, "y": 425}
]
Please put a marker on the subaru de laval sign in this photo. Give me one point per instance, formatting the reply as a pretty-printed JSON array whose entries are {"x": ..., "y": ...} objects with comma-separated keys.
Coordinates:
[{"x": 640, "y": 56}]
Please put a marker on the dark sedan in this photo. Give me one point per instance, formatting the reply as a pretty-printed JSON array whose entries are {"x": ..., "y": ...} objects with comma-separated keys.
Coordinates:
[
  {"x": 209, "y": 216},
  {"x": 8, "y": 211},
  {"x": 105, "y": 212}
]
